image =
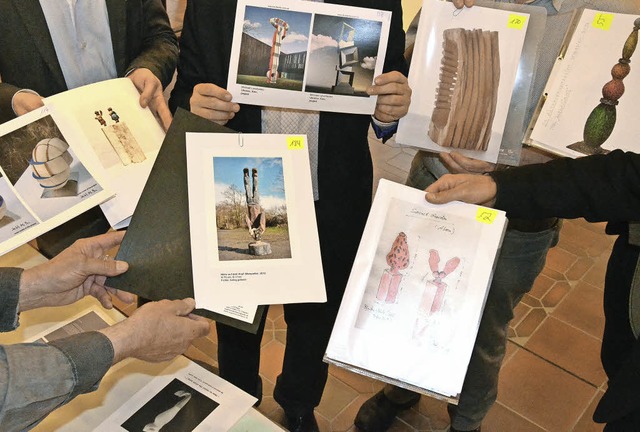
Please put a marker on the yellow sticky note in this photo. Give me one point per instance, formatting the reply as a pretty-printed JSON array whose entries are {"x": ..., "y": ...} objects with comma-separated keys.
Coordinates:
[
  {"x": 516, "y": 21},
  {"x": 602, "y": 21},
  {"x": 295, "y": 142},
  {"x": 486, "y": 215}
]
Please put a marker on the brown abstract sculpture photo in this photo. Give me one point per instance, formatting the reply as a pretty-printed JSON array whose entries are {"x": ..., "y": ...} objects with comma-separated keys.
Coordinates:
[
  {"x": 467, "y": 95},
  {"x": 255, "y": 218}
]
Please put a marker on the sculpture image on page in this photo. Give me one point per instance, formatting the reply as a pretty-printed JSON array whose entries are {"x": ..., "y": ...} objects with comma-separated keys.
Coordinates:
[
  {"x": 397, "y": 259},
  {"x": 51, "y": 165},
  {"x": 255, "y": 218},
  {"x": 280, "y": 33},
  {"x": 120, "y": 137}
]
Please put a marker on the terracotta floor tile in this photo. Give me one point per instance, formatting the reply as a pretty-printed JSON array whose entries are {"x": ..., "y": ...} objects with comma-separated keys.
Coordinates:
[
  {"x": 560, "y": 260},
  {"x": 553, "y": 274},
  {"x": 543, "y": 393},
  {"x": 579, "y": 268},
  {"x": 279, "y": 323},
  {"x": 267, "y": 337},
  {"x": 541, "y": 286},
  {"x": 582, "y": 308},
  {"x": 207, "y": 346},
  {"x": 502, "y": 419},
  {"x": 280, "y": 335},
  {"x": 519, "y": 312},
  {"x": 586, "y": 423},
  {"x": 556, "y": 294},
  {"x": 531, "y": 301},
  {"x": 595, "y": 275},
  {"x": 344, "y": 420},
  {"x": 275, "y": 311},
  {"x": 271, "y": 356},
  {"x": 336, "y": 397},
  {"x": 531, "y": 322},
  {"x": 435, "y": 410},
  {"x": 569, "y": 348},
  {"x": 359, "y": 383},
  {"x": 417, "y": 420}
]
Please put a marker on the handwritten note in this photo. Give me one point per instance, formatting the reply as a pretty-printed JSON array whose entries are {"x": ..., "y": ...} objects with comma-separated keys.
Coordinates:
[
  {"x": 486, "y": 215},
  {"x": 602, "y": 21},
  {"x": 516, "y": 21},
  {"x": 295, "y": 142}
]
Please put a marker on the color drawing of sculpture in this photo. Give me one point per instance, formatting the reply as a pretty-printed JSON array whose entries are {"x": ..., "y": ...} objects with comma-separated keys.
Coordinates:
[
  {"x": 602, "y": 120},
  {"x": 467, "y": 95},
  {"x": 397, "y": 259},
  {"x": 121, "y": 139},
  {"x": 281, "y": 28},
  {"x": 255, "y": 218},
  {"x": 51, "y": 165}
]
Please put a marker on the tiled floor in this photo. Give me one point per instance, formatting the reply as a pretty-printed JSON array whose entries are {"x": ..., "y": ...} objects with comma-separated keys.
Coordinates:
[{"x": 551, "y": 378}]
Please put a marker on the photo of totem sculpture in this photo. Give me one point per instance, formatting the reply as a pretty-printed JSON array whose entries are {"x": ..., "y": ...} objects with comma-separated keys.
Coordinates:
[
  {"x": 347, "y": 57},
  {"x": 51, "y": 165},
  {"x": 255, "y": 218},
  {"x": 601, "y": 121},
  {"x": 280, "y": 32},
  {"x": 467, "y": 94},
  {"x": 120, "y": 137}
]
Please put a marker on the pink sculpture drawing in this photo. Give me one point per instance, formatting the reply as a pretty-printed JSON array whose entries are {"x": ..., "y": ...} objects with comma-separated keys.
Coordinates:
[
  {"x": 398, "y": 259},
  {"x": 433, "y": 298},
  {"x": 280, "y": 32}
]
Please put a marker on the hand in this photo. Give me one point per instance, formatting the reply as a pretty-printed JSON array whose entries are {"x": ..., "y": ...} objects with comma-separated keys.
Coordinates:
[
  {"x": 469, "y": 188},
  {"x": 24, "y": 102},
  {"x": 75, "y": 272},
  {"x": 394, "y": 96},
  {"x": 456, "y": 163},
  {"x": 213, "y": 103},
  {"x": 157, "y": 331},
  {"x": 459, "y": 4},
  {"x": 151, "y": 96}
]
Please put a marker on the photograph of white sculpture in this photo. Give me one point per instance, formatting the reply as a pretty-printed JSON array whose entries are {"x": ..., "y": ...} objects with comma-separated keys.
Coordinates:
[
  {"x": 413, "y": 303},
  {"x": 14, "y": 217},
  {"x": 178, "y": 407},
  {"x": 251, "y": 209},
  {"x": 273, "y": 51},
  {"x": 43, "y": 169},
  {"x": 342, "y": 55},
  {"x": 463, "y": 73}
]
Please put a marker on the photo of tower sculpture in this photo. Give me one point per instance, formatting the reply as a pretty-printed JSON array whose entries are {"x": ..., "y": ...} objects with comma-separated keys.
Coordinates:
[
  {"x": 255, "y": 218},
  {"x": 281, "y": 28},
  {"x": 347, "y": 57}
]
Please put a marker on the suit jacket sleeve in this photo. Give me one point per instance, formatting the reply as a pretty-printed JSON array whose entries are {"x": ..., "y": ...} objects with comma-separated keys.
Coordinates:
[{"x": 598, "y": 188}]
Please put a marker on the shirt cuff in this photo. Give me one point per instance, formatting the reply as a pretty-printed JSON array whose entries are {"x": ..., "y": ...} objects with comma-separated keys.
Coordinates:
[
  {"x": 9, "y": 297},
  {"x": 384, "y": 130},
  {"x": 91, "y": 356},
  {"x": 13, "y": 107}
]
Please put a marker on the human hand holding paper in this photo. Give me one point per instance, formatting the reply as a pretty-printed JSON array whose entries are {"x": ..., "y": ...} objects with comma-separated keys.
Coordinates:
[
  {"x": 456, "y": 163},
  {"x": 26, "y": 101},
  {"x": 394, "y": 96},
  {"x": 469, "y": 188},
  {"x": 213, "y": 103},
  {"x": 459, "y": 4}
]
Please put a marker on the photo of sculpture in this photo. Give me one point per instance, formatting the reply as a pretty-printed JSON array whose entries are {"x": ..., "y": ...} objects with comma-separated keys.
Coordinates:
[
  {"x": 273, "y": 50},
  {"x": 251, "y": 208},
  {"x": 342, "y": 55},
  {"x": 178, "y": 407},
  {"x": 14, "y": 216},
  {"x": 43, "y": 169}
]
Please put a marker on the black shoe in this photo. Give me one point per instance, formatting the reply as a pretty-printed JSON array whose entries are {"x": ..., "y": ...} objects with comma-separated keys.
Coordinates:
[
  {"x": 302, "y": 423},
  {"x": 377, "y": 414}
]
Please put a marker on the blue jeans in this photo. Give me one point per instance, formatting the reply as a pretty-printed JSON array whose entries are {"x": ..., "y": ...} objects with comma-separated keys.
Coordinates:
[{"x": 519, "y": 263}]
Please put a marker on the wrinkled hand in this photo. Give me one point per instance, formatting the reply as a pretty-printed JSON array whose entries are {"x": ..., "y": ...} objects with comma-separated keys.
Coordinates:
[
  {"x": 24, "y": 102},
  {"x": 459, "y": 4},
  {"x": 151, "y": 96},
  {"x": 213, "y": 103},
  {"x": 469, "y": 188},
  {"x": 77, "y": 271},
  {"x": 157, "y": 331},
  {"x": 456, "y": 163},
  {"x": 394, "y": 96}
]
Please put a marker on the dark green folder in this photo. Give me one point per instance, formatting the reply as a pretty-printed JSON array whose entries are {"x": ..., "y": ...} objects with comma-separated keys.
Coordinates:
[{"x": 157, "y": 245}]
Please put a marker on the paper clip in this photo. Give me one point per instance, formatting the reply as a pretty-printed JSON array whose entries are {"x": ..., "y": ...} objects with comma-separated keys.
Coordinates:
[{"x": 240, "y": 139}]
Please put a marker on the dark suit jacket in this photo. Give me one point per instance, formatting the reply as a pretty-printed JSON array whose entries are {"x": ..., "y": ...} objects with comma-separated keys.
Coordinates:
[{"x": 140, "y": 33}]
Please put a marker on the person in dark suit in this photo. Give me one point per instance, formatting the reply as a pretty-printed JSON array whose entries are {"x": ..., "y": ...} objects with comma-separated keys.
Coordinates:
[
  {"x": 36, "y": 63},
  {"x": 598, "y": 188},
  {"x": 343, "y": 188}
]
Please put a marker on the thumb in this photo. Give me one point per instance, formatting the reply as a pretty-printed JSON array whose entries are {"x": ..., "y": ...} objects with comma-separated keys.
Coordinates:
[
  {"x": 183, "y": 307},
  {"x": 104, "y": 267}
]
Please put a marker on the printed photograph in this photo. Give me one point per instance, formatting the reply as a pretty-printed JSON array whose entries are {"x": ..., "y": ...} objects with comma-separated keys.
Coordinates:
[
  {"x": 342, "y": 55},
  {"x": 43, "y": 169},
  {"x": 86, "y": 323},
  {"x": 273, "y": 49},
  {"x": 178, "y": 407},
  {"x": 14, "y": 216},
  {"x": 251, "y": 208}
]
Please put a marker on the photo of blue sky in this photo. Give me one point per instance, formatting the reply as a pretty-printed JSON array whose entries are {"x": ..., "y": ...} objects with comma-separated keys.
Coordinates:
[
  {"x": 228, "y": 171},
  {"x": 256, "y": 24}
]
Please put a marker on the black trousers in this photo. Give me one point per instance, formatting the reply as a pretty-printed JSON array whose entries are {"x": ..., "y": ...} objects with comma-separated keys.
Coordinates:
[{"x": 300, "y": 385}]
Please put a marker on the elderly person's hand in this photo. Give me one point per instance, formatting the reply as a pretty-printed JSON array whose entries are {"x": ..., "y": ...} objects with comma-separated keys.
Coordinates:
[
  {"x": 151, "y": 96},
  {"x": 213, "y": 103},
  {"x": 77, "y": 271},
  {"x": 157, "y": 331},
  {"x": 469, "y": 188},
  {"x": 394, "y": 96},
  {"x": 456, "y": 163},
  {"x": 459, "y": 4},
  {"x": 26, "y": 101}
]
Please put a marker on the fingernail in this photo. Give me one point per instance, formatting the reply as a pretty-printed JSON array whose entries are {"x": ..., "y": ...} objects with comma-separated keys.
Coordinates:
[{"x": 121, "y": 266}]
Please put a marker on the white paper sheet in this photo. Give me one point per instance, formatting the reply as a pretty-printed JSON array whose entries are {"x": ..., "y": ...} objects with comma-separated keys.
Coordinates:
[
  {"x": 30, "y": 208},
  {"x": 426, "y": 68},
  {"x": 325, "y": 55},
  {"x": 575, "y": 86},
  {"x": 183, "y": 396},
  {"x": 224, "y": 270},
  {"x": 122, "y": 147},
  {"x": 417, "y": 289}
]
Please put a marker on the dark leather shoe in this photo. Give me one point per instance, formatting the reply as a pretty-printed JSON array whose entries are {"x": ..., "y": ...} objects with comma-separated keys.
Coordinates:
[
  {"x": 302, "y": 423},
  {"x": 377, "y": 414}
]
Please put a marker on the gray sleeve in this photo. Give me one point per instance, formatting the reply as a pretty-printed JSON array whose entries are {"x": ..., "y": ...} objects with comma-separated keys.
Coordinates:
[
  {"x": 9, "y": 295},
  {"x": 37, "y": 378}
]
